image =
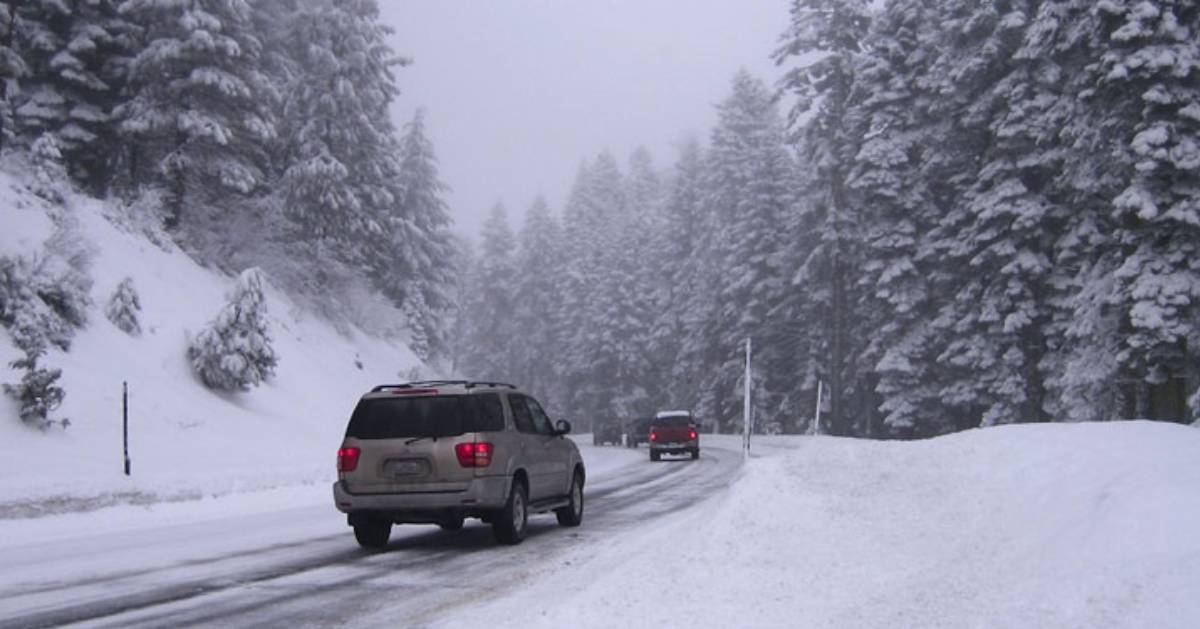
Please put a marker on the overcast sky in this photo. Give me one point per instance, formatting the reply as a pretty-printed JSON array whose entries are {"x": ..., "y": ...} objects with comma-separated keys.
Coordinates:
[{"x": 518, "y": 92}]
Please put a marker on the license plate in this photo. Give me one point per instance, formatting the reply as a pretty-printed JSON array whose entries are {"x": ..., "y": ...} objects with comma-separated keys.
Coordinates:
[{"x": 405, "y": 468}]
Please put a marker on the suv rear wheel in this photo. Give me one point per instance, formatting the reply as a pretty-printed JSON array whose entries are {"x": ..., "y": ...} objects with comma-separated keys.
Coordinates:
[
  {"x": 372, "y": 532},
  {"x": 572, "y": 514},
  {"x": 509, "y": 524}
]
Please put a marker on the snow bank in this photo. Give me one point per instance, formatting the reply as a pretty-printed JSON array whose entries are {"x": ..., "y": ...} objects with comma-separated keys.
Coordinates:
[
  {"x": 185, "y": 440},
  {"x": 1067, "y": 525}
]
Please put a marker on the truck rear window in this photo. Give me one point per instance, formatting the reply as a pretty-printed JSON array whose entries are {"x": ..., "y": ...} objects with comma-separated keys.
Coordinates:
[{"x": 434, "y": 416}]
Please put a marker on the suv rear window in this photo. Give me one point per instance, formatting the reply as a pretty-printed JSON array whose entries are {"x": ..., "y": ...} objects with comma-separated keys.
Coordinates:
[
  {"x": 673, "y": 420},
  {"x": 434, "y": 416}
]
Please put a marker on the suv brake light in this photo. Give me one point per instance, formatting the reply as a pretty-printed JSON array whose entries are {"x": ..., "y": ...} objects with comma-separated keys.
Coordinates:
[
  {"x": 653, "y": 436},
  {"x": 474, "y": 454},
  {"x": 348, "y": 459},
  {"x": 692, "y": 435}
]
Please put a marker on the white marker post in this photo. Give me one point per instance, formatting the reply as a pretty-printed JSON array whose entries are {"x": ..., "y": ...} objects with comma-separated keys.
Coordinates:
[
  {"x": 746, "y": 406},
  {"x": 816, "y": 425}
]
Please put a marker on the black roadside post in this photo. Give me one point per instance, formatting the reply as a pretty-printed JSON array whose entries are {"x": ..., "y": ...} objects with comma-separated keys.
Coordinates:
[{"x": 125, "y": 421}]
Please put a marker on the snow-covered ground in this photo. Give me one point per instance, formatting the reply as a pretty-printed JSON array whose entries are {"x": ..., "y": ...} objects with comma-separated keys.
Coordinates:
[
  {"x": 185, "y": 440},
  {"x": 1075, "y": 525}
]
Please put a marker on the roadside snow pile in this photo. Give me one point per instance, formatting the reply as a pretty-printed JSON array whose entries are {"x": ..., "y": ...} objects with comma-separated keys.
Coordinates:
[
  {"x": 1066, "y": 525},
  {"x": 185, "y": 440}
]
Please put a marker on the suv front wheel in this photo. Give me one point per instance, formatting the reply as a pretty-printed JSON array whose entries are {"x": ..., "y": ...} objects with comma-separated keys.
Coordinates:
[{"x": 509, "y": 524}]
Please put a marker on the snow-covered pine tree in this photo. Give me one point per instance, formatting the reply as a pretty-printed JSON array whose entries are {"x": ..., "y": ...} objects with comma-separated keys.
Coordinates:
[
  {"x": 591, "y": 221},
  {"x": 123, "y": 308},
  {"x": 489, "y": 306},
  {"x": 234, "y": 352},
  {"x": 341, "y": 165},
  {"x": 751, "y": 183},
  {"x": 824, "y": 40},
  {"x": 49, "y": 174},
  {"x": 675, "y": 339},
  {"x": 1001, "y": 232},
  {"x": 1149, "y": 75},
  {"x": 38, "y": 392},
  {"x": 12, "y": 67},
  {"x": 538, "y": 276},
  {"x": 199, "y": 117},
  {"x": 76, "y": 55},
  {"x": 900, "y": 152},
  {"x": 422, "y": 250}
]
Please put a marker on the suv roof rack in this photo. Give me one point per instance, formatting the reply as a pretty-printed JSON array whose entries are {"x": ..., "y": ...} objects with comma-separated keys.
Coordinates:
[{"x": 430, "y": 383}]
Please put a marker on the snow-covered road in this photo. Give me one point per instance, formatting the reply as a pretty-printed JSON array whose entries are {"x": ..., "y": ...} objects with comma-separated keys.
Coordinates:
[{"x": 280, "y": 565}]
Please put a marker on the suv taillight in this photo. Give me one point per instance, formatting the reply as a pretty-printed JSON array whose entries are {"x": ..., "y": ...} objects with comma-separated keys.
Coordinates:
[
  {"x": 653, "y": 436},
  {"x": 474, "y": 454},
  {"x": 348, "y": 459},
  {"x": 692, "y": 435}
]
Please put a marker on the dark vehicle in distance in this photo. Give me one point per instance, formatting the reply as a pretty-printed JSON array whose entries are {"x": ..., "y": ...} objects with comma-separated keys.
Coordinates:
[
  {"x": 638, "y": 431},
  {"x": 607, "y": 431}
]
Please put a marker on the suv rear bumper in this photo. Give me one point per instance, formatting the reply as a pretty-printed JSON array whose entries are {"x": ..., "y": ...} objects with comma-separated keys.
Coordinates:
[{"x": 484, "y": 493}]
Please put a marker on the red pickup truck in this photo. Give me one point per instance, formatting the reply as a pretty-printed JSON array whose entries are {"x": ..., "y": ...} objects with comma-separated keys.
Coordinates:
[{"x": 674, "y": 432}]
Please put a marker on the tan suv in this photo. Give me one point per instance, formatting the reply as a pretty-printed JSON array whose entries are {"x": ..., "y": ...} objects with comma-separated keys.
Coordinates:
[{"x": 437, "y": 452}]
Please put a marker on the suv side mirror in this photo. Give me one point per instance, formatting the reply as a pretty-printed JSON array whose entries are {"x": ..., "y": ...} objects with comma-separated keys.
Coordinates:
[{"x": 562, "y": 427}]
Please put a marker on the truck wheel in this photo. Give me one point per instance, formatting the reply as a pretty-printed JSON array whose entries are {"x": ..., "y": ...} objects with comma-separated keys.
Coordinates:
[
  {"x": 509, "y": 525},
  {"x": 372, "y": 532},
  {"x": 572, "y": 514}
]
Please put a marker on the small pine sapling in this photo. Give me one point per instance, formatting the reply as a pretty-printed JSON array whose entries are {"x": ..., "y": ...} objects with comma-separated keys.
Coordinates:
[
  {"x": 49, "y": 174},
  {"x": 123, "y": 308},
  {"x": 37, "y": 393},
  {"x": 234, "y": 352}
]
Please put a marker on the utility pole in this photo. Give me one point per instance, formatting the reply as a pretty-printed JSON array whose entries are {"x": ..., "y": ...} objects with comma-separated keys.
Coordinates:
[
  {"x": 125, "y": 421},
  {"x": 746, "y": 406}
]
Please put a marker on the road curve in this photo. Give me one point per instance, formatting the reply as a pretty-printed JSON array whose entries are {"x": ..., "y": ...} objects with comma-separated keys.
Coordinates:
[{"x": 301, "y": 566}]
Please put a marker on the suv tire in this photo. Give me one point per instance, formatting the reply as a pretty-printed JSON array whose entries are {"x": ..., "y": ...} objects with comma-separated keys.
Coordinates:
[
  {"x": 572, "y": 514},
  {"x": 454, "y": 523},
  {"x": 510, "y": 522},
  {"x": 654, "y": 456},
  {"x": 372, "y": 532},
  {"x": 695, "y": 454}
]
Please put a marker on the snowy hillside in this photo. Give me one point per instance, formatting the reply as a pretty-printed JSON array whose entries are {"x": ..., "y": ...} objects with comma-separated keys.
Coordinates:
[
  {"x": 1068, "y": 525},
  {"x": 186, "y": 440}
]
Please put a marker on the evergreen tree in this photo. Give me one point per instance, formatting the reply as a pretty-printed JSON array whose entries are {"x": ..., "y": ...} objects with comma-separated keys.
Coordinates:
[
  {"x": 751, "y": 183},
  {"x": 200, "y": 113},
  {"x": 491, "y": 303},
  {"x": 826, "y": 37},
  {"x": 76, "y": 55},
  {"x": 12, "y": 67},
  {"x": 422, "y": 275},
  {"x": 342, "y": 172},
  {"x": 538, "y": 275},
  {"x": 234, "y": 352},
  {"x": 123, "y": 308},
  {"x": 38, "y": 392}
]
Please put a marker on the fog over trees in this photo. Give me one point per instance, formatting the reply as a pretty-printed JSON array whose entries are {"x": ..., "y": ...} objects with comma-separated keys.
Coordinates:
[
  {"x": 974, "y": 213},
  {"x": 947, "y": 214}
]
